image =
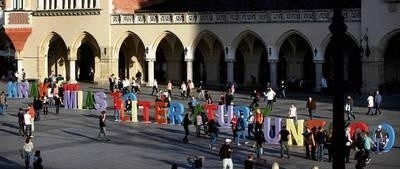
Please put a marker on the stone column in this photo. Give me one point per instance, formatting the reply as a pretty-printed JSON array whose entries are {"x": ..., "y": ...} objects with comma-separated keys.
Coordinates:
[
  {"x": 66, "y": 4},
  {"x": 229, "y": 71},
  {"x": 85, "y": 3},
  {"x": 47, "y": 4},
  {"x": 72, "y": 73},
  {"x": 59, "y": 5},
  {"x": 19, "y": 64},
  {"x": 318, "y": 61},
  {"x": 150, "y": 71},
  {"x": 273, "y": 59},
  {"x": 40, "y": 4},
  {"x": 97, "y": 4},
  {"x": 9, "y": 4},
  {"x": 189, "y": 69},
  {"x": 78, "y": 4}
]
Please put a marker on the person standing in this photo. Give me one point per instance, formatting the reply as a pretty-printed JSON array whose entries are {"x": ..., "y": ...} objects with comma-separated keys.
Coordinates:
[
  {"x": 169, "y": 88},
  {"x": 21, "y": 122},
  {"x": 259, "y": 138},
  {"x": 117, "y": 108},
  {"x": 378, "y": 102},
  {"x": 248, "y": 164},
  {"x": 57, "y": 103},
  {"x": 349, "y": 142},
  {"x": 183, "y": 89},
  {"x": 256, "y": 97},
  {"x": 111, "y": 82},
  {"x": 292, "y": 112},
  {"x": 258, "y": 120},
  {"x": 37, "y": 160},
  {"x": 308, "y": 142},
  {"x": 225, "y": 154},
  {"x": 320, "y": 142},
  {"x": 311, "y": 107},
  {"x": 234, "y": 125},
  {"x": 155, "y": 87},
  {"x": 284, "y": 139},
  {"x": 370, "y": 101},
  {"x": 367, "y": 146},
  {"x": 378, "y": 138},
  {"x": 270, "y": 95},
  {"x": 190, "y": 87},
  {"x": 200, "y": 90},
  {"x": 282, "y": 89},
  {"x": 28, "y": 124},
  {"x": 102, "y": 125},
  {"x": 3, "y": 102},
  {"x": 199, "y": 123},
  {"x": 186, "y": 122},
  {"x": 27, "y": 148},
  {"x": 314, "y": 145},
  {"x": 240, "y": 130},
  {"x": 37, "y": 105},
  {"x": 250, "y": 125},
  {"x": 349, "y": 108},
  {"x": 213, "y": 132}
]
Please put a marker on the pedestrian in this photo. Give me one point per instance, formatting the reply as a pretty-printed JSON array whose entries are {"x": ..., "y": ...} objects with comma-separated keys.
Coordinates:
[
  {"x": 259, "y": 142},
  {"x": 27, "y": 148},
  {"x": 320, "y": 139},
  {"x": 256, "y": 97},
  {"x": 37, "y": 105},
  {"x": 311, "y": 107},
  {"x": 199, "y": 123},
  {"x": 250, "y": 125},
  {"x": 225, "y": 154},
  {"x": 169, "y": 88},
  {"x": 28, "y": 124},
  {"x": 292, "y": 112},
  {"x": 3, "y": 102},
  {"x": 349, "y": 143},
  {"x": 128, "y": 106},
  {"x": 200, "y": 91},
  {"x": 248, "y": 164},
  {"x": 284, "y": 139},
  {"x": 233, "y": 126},
  {"x": 111, "y": 82},
  {"x": 102, "y": 125},
  {"x": 258, "y": 120},
  {"x": 240, "y": 130},
  {"x": 155, "y": 87},
  {"x": 45, "y": 105},
  {"x": 186, "y": 122},
  {"x": 368, "y": 143},
  {"x": 308, "y": 142},
  {"x": 370, "y": 101},
  {"x": 57, "y": 103},
  {"x": 378, "y": 102},
  {"x": 37, "y": 160},
  {"x": 117, "y": 109},
  {"x": 282, "y": 89},
  {"x": 270, "y": 95},
  {"x": 190, "y": 88},
  {"x": 349, "y": 108},
  {"x": 21, "y": 122},
  {"x": 324, "y": 86},
  {"x": 314, "y": 143},
  {"x": 213, "y": 132},
  {"x": 183, "y": 89},
  {"x": 328, "y": 145},
  {"x": 378, "y": 135}
]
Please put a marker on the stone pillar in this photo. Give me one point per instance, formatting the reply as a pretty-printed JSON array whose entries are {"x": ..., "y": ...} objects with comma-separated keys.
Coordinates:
[
  {"x": 86, "y": 3},
  {"x": 78, "y": 4},
  {"x": 97, "y": 4},
  {"x": 229, "y": 71},
  {"x": 47, "y": 4},
  {"x": 59, "y": 5},
  {"x": 19, "y": 64},
  {"x": 150, "y": 72},
  {"x": 40, "y": 4},
  {"x": 66, "y": 4},
  {"x": 9, "y": 4},
  {"x": 27, "y": 5},
  {"x": 273, "y": 59},
  {"x": 189, "y": 70},
  {"x": 318, "y": 61},
  {"x": 72, "y": 73}
]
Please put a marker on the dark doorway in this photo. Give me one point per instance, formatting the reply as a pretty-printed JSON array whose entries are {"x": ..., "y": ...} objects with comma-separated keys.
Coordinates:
[
  {"x": 222, "y": 69},
  {"x": 86, "y": 63},
  {"x": 264, "y": 72},
  {"x": 199, "y": 71},
  {"x": 7, "y": 55},
  {"x": 391, "y": 63},
  {"x": 160, "y": 66},
  {"x": 122, "y": 66},
  {"x": 239, "y": 68}
]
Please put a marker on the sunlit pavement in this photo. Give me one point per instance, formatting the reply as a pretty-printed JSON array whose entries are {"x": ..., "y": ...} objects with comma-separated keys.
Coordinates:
[{"x": 69, "y": 140}]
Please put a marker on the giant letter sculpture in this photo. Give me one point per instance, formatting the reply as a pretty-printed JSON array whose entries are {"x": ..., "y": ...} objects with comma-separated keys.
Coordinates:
[
  {"x": 210, "y": 109},
  {"x": 296, "y": 131},
  {"x": 221, "y": 116},
  {"x": 160, "y": 112},
  {"x": 267, "y": 130},
  {"x": 100, "y": 102},
  {"x": 175, "y": 112},
  {"x": 23, "y": 89},
  {"x": 145, "y": 112}
]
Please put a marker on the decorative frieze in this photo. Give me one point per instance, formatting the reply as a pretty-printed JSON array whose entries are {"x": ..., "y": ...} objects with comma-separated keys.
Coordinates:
[
  {"x": 321, "y": 15},
  {"x": 71, "y": 12}
]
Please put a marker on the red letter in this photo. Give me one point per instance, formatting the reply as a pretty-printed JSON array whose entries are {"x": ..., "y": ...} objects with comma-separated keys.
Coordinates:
[
  {"x": 146, "y": 105},
  {"x": 160, "y": 112},
  {"x": 315, "y": 123},
  {"x": 210, "y": 109},
  {"x": 357, "y": 125}
]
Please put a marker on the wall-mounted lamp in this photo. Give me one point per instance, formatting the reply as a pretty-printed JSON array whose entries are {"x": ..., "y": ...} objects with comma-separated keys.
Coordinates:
[
  {"x": 105, "y": 51},
  {"x": 185, "y": 51},
  {"x": 269, "y": 51},
  {"x": 315, "y": 52},
  {"x": 146, "y": 50},
  {"x": 226, "y": 50},
  {"x": 68, "y": 50}
]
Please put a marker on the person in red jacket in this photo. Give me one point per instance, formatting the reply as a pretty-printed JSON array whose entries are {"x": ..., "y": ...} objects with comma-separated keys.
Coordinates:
[{"x": 117, "y": 108}]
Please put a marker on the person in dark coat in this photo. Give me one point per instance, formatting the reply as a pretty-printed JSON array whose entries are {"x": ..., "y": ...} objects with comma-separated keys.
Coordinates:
[{"x": 186, "y": 122}]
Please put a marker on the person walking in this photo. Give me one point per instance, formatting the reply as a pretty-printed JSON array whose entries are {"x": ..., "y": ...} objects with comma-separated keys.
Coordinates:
[
  {"x": 250, "y": 125},
  {"x": 234, "y": 126},
  {"x": 27, "y": 148},
  {"x": 282, "y": 89},
  {"x": 102, "y": 125},
  {"x": 57, "y": 103},
  {"x": 378, "y": 102},
  {"x": 225, "y": 154},
  {"x": 248, "y": 164},
  {"x": 213, "y": 132},
  {"x": 349, "y": 142},
  {"x": 111, "y": 82},
  {"x": 155, "y": 87},
  {"x": 28, "y": 124},
  {"x": 183, "y": 89},
  {"x": 311, "y": 107},
  {"x": 117, "y": 109},
  {"x": 258, "y": 120},
  {"x": 378, "y": 135},
  {"x": 37, "y": 160},
  {"x": 349, "y": 108},
  {"x": 186, "y": 122},
  {"x": 370, "y": 101},
  {"x": 169, "y": 88},
  {"x": 368, "y": 143},
  {"x": 3, "y": 102},
  {"x": 270, "y": 95},
  {"x": 37, "y": 105},
  {"x": 259, "y": 138},
  {"x": 240, "y": 130},
  {"x": 21, "y": 122},
  {"x": 314, "y": 145},
  {"x": 200, "y": 91},
  {"x": 308, "y": 142},
  {"x": 284, "y": 139},
  {"x": 256, "y": 97},
  {"x": 320, "y": 139}
]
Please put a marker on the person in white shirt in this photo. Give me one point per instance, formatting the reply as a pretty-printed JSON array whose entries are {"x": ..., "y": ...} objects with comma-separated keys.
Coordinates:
[
  {"x": 324, "y": 86},
  {"x": 155, "y": 87},
  {"x": 28, "y": 148},
  {"x": 270, "y": 95},
  {"x": 292, "y": 112},
  {"x": 199, "y": 123},
  {"x": 370, "y": 101},
  {"x": 28, "y": 124},
  {"x": 183, "y": 89}
]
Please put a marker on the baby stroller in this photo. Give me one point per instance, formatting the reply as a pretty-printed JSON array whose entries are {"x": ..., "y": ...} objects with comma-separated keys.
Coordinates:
[{"x": 196, "y": 162}]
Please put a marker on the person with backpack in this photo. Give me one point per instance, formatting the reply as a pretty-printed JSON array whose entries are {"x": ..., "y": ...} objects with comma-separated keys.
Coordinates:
[
  {"x": 225, "y": 154},
  {"x": 213, "y": 132},
  {"x": 240, "y": 130}
]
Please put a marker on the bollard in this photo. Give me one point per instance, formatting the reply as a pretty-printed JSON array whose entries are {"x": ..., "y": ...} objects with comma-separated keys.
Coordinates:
[
  {"x": 315, "y": 167},
  {"x": 275, "y": 165}
]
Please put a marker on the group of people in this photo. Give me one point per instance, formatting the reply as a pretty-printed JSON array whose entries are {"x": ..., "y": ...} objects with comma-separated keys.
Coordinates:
[{"x": 124, "y": 85}]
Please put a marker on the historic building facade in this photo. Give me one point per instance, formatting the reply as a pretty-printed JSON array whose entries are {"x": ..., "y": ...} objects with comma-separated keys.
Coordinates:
[{"x": 75, "y": 37}]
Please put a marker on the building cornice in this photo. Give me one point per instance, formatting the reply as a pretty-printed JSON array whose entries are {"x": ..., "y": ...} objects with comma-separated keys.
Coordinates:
[
  {"x": 234, "y": 17},
  {"x": 69, "y": 12}
]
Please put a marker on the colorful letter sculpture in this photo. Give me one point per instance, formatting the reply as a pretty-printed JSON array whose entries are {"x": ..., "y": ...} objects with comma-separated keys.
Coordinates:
[
  {"x": 390, "y": 134},
  {"x": 100, "y": 102},
  {"x": 12, "y": 89},
  {"x": 357, "y": 125},
  {"x": 23, "y": 88},
  {"x": 315, "y": 123},
  {"x": 296, "y": 131},
  {"x": 221, "y": 116},
  {"x": 89, "y": 102},
  {"x": 34, "y": 90},
  {"x": 210, "y": 109},
  {"x": 133, "y": 110},
  {"x": 146, "y": 113},
  {"x": 160, "y": 112},
  {"x": 270, "y": 137},
  {"x": 175, "y": 112}
]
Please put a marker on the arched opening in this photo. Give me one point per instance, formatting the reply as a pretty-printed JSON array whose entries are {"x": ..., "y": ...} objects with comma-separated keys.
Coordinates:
[
  {"x": 251, "y": 66},
  {"x": 222, "y": 69},
  {"x": 86, "y": 63},
  {"x": 170, "y": 63},
  {"x": 391, "y": 63},
  {"x": 199, "y": 71},
  {"x": 296, "y": 63},
  {"x": 352, "y": 65},
  {"x": 7, "y": 55},
  {"x": 57, "y": 63},
  {"x": 131, "y": 58}
]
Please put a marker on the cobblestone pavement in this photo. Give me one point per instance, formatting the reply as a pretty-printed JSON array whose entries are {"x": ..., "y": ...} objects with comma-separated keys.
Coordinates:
[{"x": 68, "y": 140}]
